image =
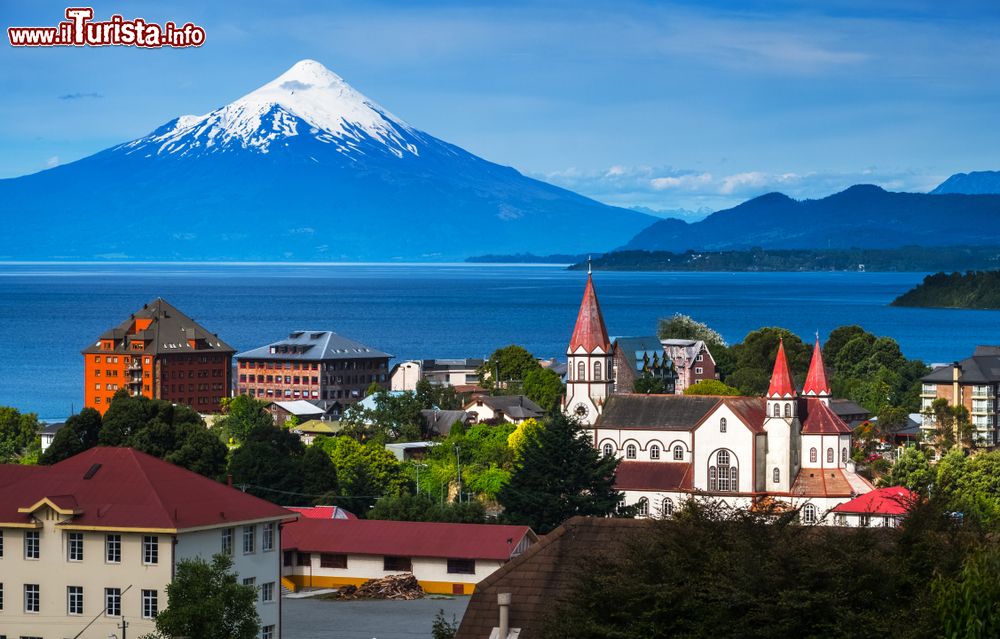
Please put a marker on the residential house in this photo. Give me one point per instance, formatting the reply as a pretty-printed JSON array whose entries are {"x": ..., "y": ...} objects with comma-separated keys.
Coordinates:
[
  {"x": 462, "y": 373},
  {"x": 321, "y": 366},
  {"x": 511, "y": 408},
  {"x": 693, "y": 362},
  {"x": 310, "y": 430},
  {"x": 852, "y": 413},
  {"x": 301, "y": 410},
  {"x": 439, "y": 422},
  {"x": 410, "y": 451},
  {"x": 445, "y": 558},
  {"x": 641, "y": 357},
  {"x": 882, "y": 507},
  {"x": 98, "y": 537},
  {"x": 160, "y": 353},
  {"x": 973, "y": 383},
  {"x": 47, "y": 433}
]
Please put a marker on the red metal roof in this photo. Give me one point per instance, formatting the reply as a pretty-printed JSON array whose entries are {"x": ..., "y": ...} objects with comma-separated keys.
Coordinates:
[
  {"x": 819, "y": 419},
  {"x": 894, "y": 500},
  {"x": 816, "y": 383},
  {"x": 322, "y": 512},
  {"x": 404, "y": 538},
  {"x": 589, "y": 331},
  {"x": 123, "y": 488},
  {"x": 752, "y": 411},
  {"x": 781, "y": 380},
  {"x": 664, "y": 476}
]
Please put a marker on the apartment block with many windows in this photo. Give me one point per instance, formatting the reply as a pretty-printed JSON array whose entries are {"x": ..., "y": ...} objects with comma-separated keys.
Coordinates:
[
  {"x": 973, "y": 383},
  {"x": 98, "y": 536}
]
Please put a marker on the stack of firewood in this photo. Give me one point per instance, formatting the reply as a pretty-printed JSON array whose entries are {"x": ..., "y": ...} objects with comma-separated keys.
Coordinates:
[{"x": 403, "y": 586}]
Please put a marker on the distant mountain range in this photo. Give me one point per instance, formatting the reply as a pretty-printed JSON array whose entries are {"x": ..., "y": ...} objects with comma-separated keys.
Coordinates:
[
  {"x": 861, "y": 216},
  {"x": 303, "y": 168},
  {"x": 974, "y": 183}
]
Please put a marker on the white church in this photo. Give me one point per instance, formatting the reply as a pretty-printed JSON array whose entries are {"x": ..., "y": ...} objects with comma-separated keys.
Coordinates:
[{"x": 789, "y": 446}]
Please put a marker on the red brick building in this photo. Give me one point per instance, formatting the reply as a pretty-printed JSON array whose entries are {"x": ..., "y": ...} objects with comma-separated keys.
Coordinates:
[{"x": 160, "y": 353}]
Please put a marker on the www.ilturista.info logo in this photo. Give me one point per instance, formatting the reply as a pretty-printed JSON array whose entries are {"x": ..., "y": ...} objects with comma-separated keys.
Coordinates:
[{"x": 79, "y": 30}]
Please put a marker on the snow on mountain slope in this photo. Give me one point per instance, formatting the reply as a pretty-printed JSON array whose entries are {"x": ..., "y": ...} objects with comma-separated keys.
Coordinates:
[{"x": 308, "y": 99}]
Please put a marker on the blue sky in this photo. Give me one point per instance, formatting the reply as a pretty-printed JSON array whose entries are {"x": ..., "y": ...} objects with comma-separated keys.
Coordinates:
[{"x": 694, "y": 105}]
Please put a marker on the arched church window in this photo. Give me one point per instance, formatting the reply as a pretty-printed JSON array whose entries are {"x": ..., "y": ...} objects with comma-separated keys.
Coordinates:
[
  {"x": 809, "y": 514},
  {"x": 726, "y": 476},
  {"x": 630, "y": 451},
  {"x": 777, "y": 410},
  {"x": 654, "y": 452},
  {"x": 843, "y": 455},
  {"x": 643, "y": 507},
  {"x": 722, "y": 425},
  {"x": 829, "y": 455},
  {"x": 668, "y": 507},
  {"x": 597, "y": 371},
  {"x": 812, "y": 455},
  {"x": 581, "y": 371},
  {"x": 788, "y": 410},
  {"x": 678, "y": 453},
  {"x": 776, "y": 475},
  {"x": 609, "y": 450}
]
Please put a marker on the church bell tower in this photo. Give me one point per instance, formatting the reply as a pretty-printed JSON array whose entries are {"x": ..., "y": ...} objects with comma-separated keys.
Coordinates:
[{"x": 589, "y": 357}]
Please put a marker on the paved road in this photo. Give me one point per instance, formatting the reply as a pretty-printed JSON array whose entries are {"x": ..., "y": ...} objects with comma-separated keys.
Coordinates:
[{"x": 325, "y": 619}]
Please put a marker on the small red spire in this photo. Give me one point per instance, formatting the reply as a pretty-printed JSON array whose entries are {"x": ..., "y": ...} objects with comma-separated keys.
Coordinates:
[
  {"x": 590, "y": 332},
  {"x": 816, "y": 384},
  {"x": 781, "y": 379}
]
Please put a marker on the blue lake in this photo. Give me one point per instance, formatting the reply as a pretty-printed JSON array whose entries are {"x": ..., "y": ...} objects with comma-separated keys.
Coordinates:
[{"x": 50, "y": 312}]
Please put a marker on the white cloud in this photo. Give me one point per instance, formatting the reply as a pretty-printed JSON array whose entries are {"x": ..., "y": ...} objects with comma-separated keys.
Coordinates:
[
  {"x": 692, "y": 182},
  {"x": 52, "y": 162}
]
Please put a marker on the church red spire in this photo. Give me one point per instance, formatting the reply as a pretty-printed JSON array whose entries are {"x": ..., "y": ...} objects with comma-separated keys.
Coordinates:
[
  {"x": 781, "y": 379},
  {"x": 816, "y": 384},
  {"x": 590, "y": 332}
]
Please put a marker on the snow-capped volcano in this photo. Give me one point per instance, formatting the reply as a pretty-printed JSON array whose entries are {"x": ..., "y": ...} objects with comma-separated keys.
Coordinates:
[
  {"x": 303, "y": 168},
  {"x": 308, "y": 100}
]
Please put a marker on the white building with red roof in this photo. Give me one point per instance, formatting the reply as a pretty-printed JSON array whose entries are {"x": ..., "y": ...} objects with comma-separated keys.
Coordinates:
[
  {"x": 444, "y": 558},
  {"x": 589, "y": 379},
  {"x": 883, "y": 507},
  {"x": 99, "y": 535}
]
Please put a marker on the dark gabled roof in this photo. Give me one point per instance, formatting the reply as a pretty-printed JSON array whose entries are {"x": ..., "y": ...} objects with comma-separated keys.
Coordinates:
[
  {"x": 517, "y": 406},
  {"x": 439, "y": 422},
  {"x": 642, "y": 351},
  {"x": 313, "y": 346},
  {"x": 544, "y": 574},
  {"x": 660, "y": 476},
  {"x": 982, "y": 368},
  {"x": 655, "y": 412},
  {"x": 847, "y": 407},
  {"x": 170, "y": 331},
  {"x": 441, "y": 364},
  {"x": 51, "y": 429},
  {"x": 819, "y": 419}
]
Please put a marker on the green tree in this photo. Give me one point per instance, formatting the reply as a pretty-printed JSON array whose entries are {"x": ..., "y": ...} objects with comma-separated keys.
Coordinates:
[
  {"x": 199, "y": 451},
  {"x": 649, "y": 385},
  {"x": 753, "y": 359},
  {"x": 679, "y": 326},
  {"x": 560, "y": 474},
  {"x": 442, "y": 396},
  {"x": 442, "y": 628},
  {"x": 544, "y": 387},
  {"x": 19, "y": 440},
  {"x": 206, "y": 600},
  {"x": 241, "y": 416},
  {"x": 506, "y": 368},
  {"x": 423, "y": 507},
  {"x": 268, "y": 464},
  {"x": 319, "y": 475},
  {"x": 365, "y": 472},
  {"x": 967, "y": 602},
  {"x": 911, "y": 470},
  {"x": 951, "y": 425},
  {"x": 711, "y": 387},
  {"x": 80, "y": 433}
]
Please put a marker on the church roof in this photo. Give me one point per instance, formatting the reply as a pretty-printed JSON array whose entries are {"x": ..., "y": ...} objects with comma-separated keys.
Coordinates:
[
  {"x": 662, "y": 476},
  {"x": 589, "y": 331},
  {"x": 816, "y": 383},
  {"x": 821, "y": 482},
  {"x": 819, "y": 419},
  {"x": 781, "y": 379},
  {"x": 655, "y": 412}
]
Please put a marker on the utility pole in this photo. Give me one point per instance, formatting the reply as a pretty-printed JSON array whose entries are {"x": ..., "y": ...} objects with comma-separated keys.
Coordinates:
[
  {"x": 458, "y": 464},
  {"x": 123, "y": 625}
]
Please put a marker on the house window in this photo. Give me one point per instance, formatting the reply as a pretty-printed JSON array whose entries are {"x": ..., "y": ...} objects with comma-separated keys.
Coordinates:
[
  {"x": 809, "y": 514},
  {"x": 697, "y": 370},
  {"x": 267, "y": 538},
  {"x": 150, "y": 604},
  {"x": 1, "y": 601},
  {"x": 668, "y": 506},
  {"x": 630, "y": 451},
  {"x": 678, "y": 453},
  {"x": 249, "y": 539},
  {"x": 31, "y": 546},
  {"x": 597, "y": 371},
  {"x": 113, "y": 602},
  {"x": 329, "y": 560},
  {"x": 303, "y": 559},
  {"x": 581, "y": 371},
  {"x": 150, "y": 549},
  {"x": 700, "y": 358},
  {"x": 812, "y": 455},
  {"x": 113, "y": 549},
  {"x": 462, "y": 566},
  {"x": 609, "y": 450},
  {"x": 74, "y": 600},
  {"x": 776, "y": 475},
  {"x": 865, "y": 520},
  {"x": 396, "y": 564},
  {"x": 788, "y": 410},
  {"x": 654, "y": 452},
  {"x": 643, "y": 507},
  {"x": 252, "y": 582},
  {"x": 1, "y": 544},
  {"x": 32, "y": 598},
  {"x": 829, "y": 455},
  {"x": 267, "y": 592},
  {"x": 722, "y": 425},
  {"x": 267, "y": 632},
  {"x": 227, "y": 541},
  {"x": 74, "y": 549},
  {"x": 289, "y": 557}
]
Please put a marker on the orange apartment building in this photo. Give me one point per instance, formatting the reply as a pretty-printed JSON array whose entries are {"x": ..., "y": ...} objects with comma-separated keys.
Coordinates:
[{"x": 160, "y": 353}]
